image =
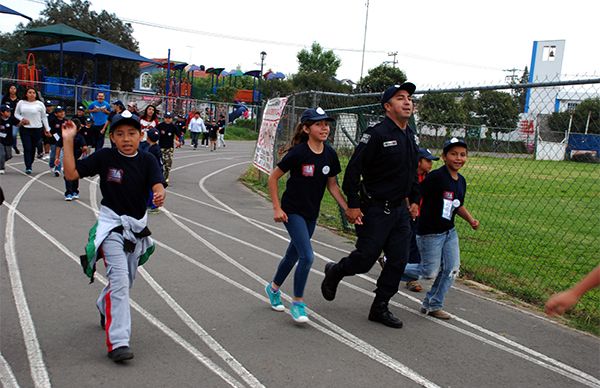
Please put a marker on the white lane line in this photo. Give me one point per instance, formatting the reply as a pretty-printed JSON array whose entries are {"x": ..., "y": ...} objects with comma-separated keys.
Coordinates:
[
  {"x": 39, "y": 372},
  {"x": 7, "y": 378},
  {"x": 433, "y": 320},
  {"x": 200, "y": 332},
  {"x": 360, "y": 345},
  {"x": 575, "y": 374},
  {"x": 151, "y": 318}
]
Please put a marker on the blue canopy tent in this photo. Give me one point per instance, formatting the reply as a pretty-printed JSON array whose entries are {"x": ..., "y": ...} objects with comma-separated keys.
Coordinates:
[
  {"x": 102, "y": 49},
  {"x": 9, "y": 11}
]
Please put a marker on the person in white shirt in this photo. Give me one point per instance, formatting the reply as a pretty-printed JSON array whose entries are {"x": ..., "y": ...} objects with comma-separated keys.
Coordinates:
[
  {"x": 196, "y": 127},
  {"x": 31, "y": 114}
]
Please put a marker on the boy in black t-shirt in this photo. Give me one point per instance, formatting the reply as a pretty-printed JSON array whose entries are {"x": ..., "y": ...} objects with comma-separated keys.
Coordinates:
[
  {"x": 79, "y": 149},
  {"x": 221, "y": 131},
  {"x": 7, "y": 121},
  {"x": 443, "y": 194},
  {"x": 55, "y": 121},
  {"x": 169, "y": 137},
  {"x": 120, "y": 235},
  {"x": 212, "y": 134}
]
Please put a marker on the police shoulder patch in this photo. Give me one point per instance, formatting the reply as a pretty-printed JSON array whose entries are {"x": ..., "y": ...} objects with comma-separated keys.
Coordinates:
[{"x": 365, "y": 138}]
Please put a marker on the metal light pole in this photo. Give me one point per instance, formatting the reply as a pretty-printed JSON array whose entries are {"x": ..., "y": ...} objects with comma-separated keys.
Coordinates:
[
  {"x": 362, "y": 64},
  {"x": 263, "y": 55}
]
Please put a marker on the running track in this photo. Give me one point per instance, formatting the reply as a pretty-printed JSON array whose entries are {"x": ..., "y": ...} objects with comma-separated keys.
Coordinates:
[{"x": 200, "y": 318}]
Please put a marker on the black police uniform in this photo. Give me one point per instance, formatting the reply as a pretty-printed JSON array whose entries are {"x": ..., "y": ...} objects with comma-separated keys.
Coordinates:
[{"x": 386, "y": 159}]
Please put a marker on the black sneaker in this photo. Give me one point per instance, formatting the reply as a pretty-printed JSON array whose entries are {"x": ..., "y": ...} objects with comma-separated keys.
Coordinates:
[
  {"x": 102, "y": 321},
  {"x": 17, "y": 151},
  {"x": 120, "y": 354}
]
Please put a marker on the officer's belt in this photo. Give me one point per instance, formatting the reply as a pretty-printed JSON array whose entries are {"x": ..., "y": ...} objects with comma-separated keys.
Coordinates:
[{"x": 384, "y": 202}]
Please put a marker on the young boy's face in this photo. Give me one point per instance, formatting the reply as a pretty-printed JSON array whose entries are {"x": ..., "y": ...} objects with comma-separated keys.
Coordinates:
[
  {"x": 60, "y": 114},
  {"x": 127, "y": 138},
  {"x": 5, "y": 114},
  {"x": 424, "y": 166},
  {"x": 168, "y": 120},
  {"x": 455, "y": 158}
]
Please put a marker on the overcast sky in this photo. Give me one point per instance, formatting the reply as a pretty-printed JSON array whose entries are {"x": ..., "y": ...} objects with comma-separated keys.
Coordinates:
[{"x": 439, "y": 43}]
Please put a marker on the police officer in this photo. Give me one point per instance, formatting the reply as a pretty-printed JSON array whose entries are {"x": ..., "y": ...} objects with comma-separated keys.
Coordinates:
[{"x": 381, "y": 174}]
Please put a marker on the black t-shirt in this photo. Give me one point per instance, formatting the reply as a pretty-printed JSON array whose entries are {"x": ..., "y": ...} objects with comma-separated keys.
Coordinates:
[
  {"x": 441, "y": 196},
  {"x": 154, "y": 150},
  {"x": 221, "y": 126},
  {"x": 6, "y": 137},
  {"x": 212, "y": 130},
  {"x": 167, "y": 134},
  {"x": 78, "y": 144},
  {"x": 308, "y": 178},
  {"x": 55, "y": 128},
  {"x": 180, "y": 124},
  {"x": 125, "y": 182}
]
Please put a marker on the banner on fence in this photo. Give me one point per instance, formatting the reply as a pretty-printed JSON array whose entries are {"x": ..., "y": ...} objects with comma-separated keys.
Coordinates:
[{"x": 265, "y": 145}]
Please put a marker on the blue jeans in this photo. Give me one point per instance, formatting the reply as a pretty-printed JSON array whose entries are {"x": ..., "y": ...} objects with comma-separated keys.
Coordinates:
[
  {"x": 299, "y": 251},
  {"x": 30, "y": 137},
  {"x": 53, "y": 157},
  {"x": 440, "y": 258}
]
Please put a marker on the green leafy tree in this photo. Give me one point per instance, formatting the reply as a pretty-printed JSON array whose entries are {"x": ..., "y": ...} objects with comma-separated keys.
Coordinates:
[
  {"x": 303, "y": 81},
  {"x": 559, "y": 121},
  {"x": 498, "y": 110},
  {"x": 318, "y": 60},
  {"x": 76, "y": 14},
  {"x": 379, "y": 78},
  {"x": 443, "y": 108}
]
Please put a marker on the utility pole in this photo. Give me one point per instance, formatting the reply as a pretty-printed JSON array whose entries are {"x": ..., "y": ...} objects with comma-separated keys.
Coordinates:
[
  {"x": 362, "y": 65},
  {"x": 511, "y": 78},
  {"x": 394, "y": 61}
]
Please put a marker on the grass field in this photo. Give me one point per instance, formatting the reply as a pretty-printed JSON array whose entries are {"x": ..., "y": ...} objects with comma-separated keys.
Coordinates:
[{"x": 540, "y": 228}]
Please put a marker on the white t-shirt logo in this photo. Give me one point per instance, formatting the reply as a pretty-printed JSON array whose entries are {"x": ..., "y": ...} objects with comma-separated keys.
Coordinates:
[{"x": 326, "y": 170}]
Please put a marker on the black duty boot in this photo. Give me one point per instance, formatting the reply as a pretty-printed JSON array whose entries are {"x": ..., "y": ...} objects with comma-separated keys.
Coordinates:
[
  {"x": 380, "y": 313},
  {"x": 332, "y": 278}
]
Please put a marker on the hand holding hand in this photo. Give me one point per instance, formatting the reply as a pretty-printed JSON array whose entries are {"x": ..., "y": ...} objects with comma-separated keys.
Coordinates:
[{"x": 354, "y": 215}]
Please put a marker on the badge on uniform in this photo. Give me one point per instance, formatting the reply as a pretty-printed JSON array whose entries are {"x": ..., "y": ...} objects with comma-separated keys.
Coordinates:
[
  {"x": 326, "y": 170},
  {"x": 390, "y": 143},
  {"x": 365, "y": 138},
  {"x": 308, "y": 170}
]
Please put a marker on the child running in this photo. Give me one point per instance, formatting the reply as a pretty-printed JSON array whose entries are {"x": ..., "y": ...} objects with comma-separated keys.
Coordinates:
[
  {"x": 7, "y": 122},
  {"x": 80, "y": 149},
  {"x": 313, "y": 165},
  {"x": 120, "y": 235},
  {"x": 443, "y": 196}
]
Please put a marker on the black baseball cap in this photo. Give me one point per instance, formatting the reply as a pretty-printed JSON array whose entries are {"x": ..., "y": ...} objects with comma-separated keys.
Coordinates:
[
  {"x": 49, "y": 103},
  {"x": 392, "y": 90},
  {"x": 455, "y": 141},
  {"x": 424, "y": 153},
  {"x": 168, "y": 115},
  {"x": 5, "y": 108},
  {"x": 59, "y": 108},
  {"x": 88, "y": 119},
  {"x": 314, "y": 114},
  {"x": 153, "y": 134},
  {"x": 80, "y": 107},
  {"x": 126, "y": 117}
]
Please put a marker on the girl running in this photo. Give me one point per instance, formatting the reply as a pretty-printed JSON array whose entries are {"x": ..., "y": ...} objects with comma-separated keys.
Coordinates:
[
  {"x": 313, "y": 165},
  {"x": 148, "y": 121}
]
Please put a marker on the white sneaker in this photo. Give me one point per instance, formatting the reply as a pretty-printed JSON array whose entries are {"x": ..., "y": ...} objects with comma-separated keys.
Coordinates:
[
  {"x": 46, "y": 157},
  {"x": 2, "y": 172}
]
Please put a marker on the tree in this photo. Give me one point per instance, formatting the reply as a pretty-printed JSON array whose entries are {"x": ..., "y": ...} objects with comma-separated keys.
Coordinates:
[
  {"x": 379, "y": 78},
  {"x": 77, "y": 14},
  {"x": 498, "y": 110},
  {"x": 443, "y": 108},
  {"x": 318, "y": 60},
  {"x": 559, "y": 121},
  {"x": 521, "y": 94},
  {"x": 303, "y": 81}
]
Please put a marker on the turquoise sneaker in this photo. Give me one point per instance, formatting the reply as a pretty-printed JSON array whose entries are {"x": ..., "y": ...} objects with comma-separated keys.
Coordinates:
[
  {"x": 298, "y": 313},
  {"x": 275, "y": 298}
]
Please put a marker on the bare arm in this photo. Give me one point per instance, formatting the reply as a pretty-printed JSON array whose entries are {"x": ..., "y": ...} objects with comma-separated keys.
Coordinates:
[
  {"x": 463, "y": 212},
  {"x": 336, "y": 193},
  {"x": 69, "y": 130},
  {"x": 278, "y": 213},
  {"x": 563, "y": 301}
]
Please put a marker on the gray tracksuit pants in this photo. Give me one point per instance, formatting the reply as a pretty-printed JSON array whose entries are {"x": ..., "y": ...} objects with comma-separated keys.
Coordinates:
[{"x": 113, "y": 301}]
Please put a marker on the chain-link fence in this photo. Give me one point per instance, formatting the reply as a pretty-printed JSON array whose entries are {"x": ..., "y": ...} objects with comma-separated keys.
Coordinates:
[
  {"x": 70, "y": 96},
  {"x": 533, "y": 176}
]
